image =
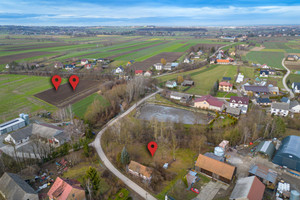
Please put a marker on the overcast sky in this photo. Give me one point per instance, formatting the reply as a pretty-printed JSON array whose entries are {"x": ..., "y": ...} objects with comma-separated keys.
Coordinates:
[{"x": 159, "y": 12}]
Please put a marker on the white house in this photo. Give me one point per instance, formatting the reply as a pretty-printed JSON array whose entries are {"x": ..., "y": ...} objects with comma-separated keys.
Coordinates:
[
  {"x": 295, "y": 107},
  {"x": 171, "y": 84},
  {"x": 280, "y": 108},
  {"x": 187, "y": 60},
  {"x": 7, "y": 66},
  {"x": 84, "y": 61},
  {"x": 119, "y": 70},
  {"x": 140, "y": 170},
  {"x": 168, "y": 66},
  {"x": 148, "y": 73},
  {"x": 240, "y": 78},
  {"x": 264, "y": 66},
  {"x": 239, "y": 102},
  {"x": 20, "y": 136},
  {"x": 158, "y": 66},
  {"x": 296, "y": 87}
]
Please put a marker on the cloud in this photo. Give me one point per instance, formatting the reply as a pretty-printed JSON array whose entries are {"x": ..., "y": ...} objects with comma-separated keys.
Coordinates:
[{"x": 55, "y": 12}]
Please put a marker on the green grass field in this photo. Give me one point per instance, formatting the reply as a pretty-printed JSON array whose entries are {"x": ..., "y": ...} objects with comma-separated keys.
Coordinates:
[
  {"x": 16, "y": 94},
  {"x": 293, "y": 78},
  {"x": 79, "y": 108},
  {"x": 272, "y": 59},
  {"x": 276, "y": 45}
]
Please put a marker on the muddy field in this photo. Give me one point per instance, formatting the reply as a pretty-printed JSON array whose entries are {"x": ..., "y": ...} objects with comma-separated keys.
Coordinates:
[
  {"x": 10, "y": 58},
  {"x": 128, "y": 52},
  {"x": 144, "y": 65},
  {"x": 36, "y": 46},
  {"x": 65, "y": 94}
]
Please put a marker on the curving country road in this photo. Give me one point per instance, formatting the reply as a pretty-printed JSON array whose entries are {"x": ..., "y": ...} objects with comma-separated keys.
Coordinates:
[
  {"x": 97, "y": 145},
  {"x": 284, "y": 80}
]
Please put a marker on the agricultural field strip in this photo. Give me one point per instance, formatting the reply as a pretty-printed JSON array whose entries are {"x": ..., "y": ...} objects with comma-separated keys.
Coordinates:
[{"x": 272, "y": 59}]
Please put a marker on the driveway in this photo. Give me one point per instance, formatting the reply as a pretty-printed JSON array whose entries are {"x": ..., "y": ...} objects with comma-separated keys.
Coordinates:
[
  {"x": 210, "y": 190},
  {"x": 284, "y": 80},
  {"x": 97, "y": 145}
]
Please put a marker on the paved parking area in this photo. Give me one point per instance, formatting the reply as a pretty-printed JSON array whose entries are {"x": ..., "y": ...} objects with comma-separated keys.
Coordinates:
[{"x": 210, "y": 190}]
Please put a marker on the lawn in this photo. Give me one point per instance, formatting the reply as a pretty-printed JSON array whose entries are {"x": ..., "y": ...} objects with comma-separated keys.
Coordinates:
[
  {"x": 273, "y": 59},
  {"x": 79, "y": 108},
  {"x": 16, "y": 94},
  {"x": 248, "y": 72},
  {"x": 293, "y": 78},
  {"x": 174, "y": 76},
  {"x": 204, "y": 81}
]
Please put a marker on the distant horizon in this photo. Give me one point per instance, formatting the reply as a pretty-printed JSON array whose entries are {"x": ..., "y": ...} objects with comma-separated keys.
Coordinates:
[{"x": 136, "y": 13}]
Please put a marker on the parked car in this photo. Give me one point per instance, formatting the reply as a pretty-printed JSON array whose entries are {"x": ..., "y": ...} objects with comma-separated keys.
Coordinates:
[{"x": 195, "y": 190}]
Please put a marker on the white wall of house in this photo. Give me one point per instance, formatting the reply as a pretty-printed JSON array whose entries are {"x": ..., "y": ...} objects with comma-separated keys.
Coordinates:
[
  {"x": 279, "y": 112},
  {"x": 295, "y": 109},
  {"x": 243, "y": 107},
  {"x": 175, "y": 97},
  {"x": 139, "y": 175}
]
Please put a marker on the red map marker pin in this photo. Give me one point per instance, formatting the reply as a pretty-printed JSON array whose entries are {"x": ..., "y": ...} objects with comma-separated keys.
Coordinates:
[
  {"x": 152, "y": 146},
  {"x": 74, "y": 80},
  {"x": 56, "y": 80}
]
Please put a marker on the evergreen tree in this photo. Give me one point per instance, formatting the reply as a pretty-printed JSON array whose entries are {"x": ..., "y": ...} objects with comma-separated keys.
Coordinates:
[
  {"x": 94, "y": 178},
  {"x": 86, "y": 149},
  {"x": 125, "y": 158}
]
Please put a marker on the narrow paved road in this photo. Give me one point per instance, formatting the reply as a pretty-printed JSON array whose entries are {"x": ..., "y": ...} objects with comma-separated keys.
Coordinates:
[
  {"x": 284, "y": 80},
  {"x": 97, "y": 145}
]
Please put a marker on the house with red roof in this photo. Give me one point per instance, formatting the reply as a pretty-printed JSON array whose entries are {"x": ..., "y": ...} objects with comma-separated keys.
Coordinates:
[
  {"x": 148, "y": 73},
  {"x": 209, "y": 102},
  {"x": 65, "y": 189},
  {"x": 138, "y": 72},
  {"x": 223, "y": 61},
  {"x": 225, "y": 86},
  {"x": 84, "y": 61},
  {"x": 88, "y": 66}
]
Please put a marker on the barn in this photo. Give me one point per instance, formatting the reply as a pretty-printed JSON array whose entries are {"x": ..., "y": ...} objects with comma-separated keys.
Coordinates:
[{"x": 288, "y": 153}]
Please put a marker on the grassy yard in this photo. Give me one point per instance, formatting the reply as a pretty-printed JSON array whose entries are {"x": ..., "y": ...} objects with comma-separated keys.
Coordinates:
[
  {"x": 272, "y": 59},
  {"x": 79, "y": 108},
  {"x": 16, "y": 94},
  {"x": 293, "y": 78}
]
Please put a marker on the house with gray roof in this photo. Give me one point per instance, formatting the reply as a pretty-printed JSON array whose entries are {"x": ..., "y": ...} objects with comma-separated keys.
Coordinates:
[
  {"x": 182, "y": 97},
  {"x": 296, "y": 87},
  {"x": 15, "y": 188},
  {"x": 187, "y": 83},
  {"x": 295, "y": 107},
  {"x": 280, "y": 108},
  {"x": 264, "y": 174}
]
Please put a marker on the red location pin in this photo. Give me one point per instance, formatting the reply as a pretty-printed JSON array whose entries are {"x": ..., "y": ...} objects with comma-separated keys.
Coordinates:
[
  {"x": 56, "y": 80},
  {"x": 74, "y": 80},
  {"x": 152, "y": 146}
]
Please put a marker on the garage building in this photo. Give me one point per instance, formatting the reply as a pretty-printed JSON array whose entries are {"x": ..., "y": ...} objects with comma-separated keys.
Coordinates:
[{"x": 288, "y": 153}]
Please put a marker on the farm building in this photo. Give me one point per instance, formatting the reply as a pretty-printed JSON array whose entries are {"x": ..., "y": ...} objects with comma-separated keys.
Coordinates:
[
  {"x": 14, "y": 124},
  {"x": 288, "y": 153},
  {"x": 185, "y": 98},
  {"x": 292, "y": 57},
  {"x": 140, "y": 170},
  {"x": 64, "y": 189},
  {"x": 171, "y": 84},
  {"x": 264, "y": 174},
  {"x": 13, "y": 187},
  {"x": 214, "y": 168},
  {"x": 248, "y": 188},
  {"x": 187, "y": 83},
  {"x": 266, "y": 148},
  {"x": 20, "y": 136}
]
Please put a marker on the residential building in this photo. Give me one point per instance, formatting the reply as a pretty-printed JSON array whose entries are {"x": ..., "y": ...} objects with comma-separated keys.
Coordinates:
[
  {"x": 14, "y": 124},
  {"x": 266, "y": 148},
  {"x": 296, "y": 87},
  {"x": 168, "y": 66},
  {"x": 138, "y": 72},
  {"x": 273, "y": 90},
  {"x": 186, "y": 60},
  {"x": 263, "y": 101},
  {"x": 285, "y": 100},
  {"x": 174, "y": 64},
  {"x": 58, "y": 65},
  {"x": 20, "y": 136},
  {"x": 66, "y": 189},
  {"x": 225, "y": 86},
  {"x": 84, "y": 61},
  {"x": 140, "y": 170},
  {"x": 280, "y": 108},
  {"x": 158, "y": 66},
  {"x": 223, "y": 61},
  {"x": 248, "y": 188},
  {"x": 119, "y": 70},
  {"x": 215, "y": 169},
  {"x": 288, "y": 154},
  {"x": 148, "y": 73},
  {"x": 233, "y": 111},
  {"x": 171, "y": 84},
  {"x": 264, "y": 73},
  {"x": 292, "y": 58},
  {"x": 209, "y": 102},
  {"x": 88, "y": 66},
  {"x": 13, "y": 187},
  {"x": 295, "y": 107},
  {"x": 187, "y": 83},
  {"x": 240, "y": 78},
  {"x": 264, "y": 174},
  {"x": 239, "y": 102},
  {"x": 7, "y": 66},
  {"x": 255, "y": 89},
  {"x": 264, "y": 66}
]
